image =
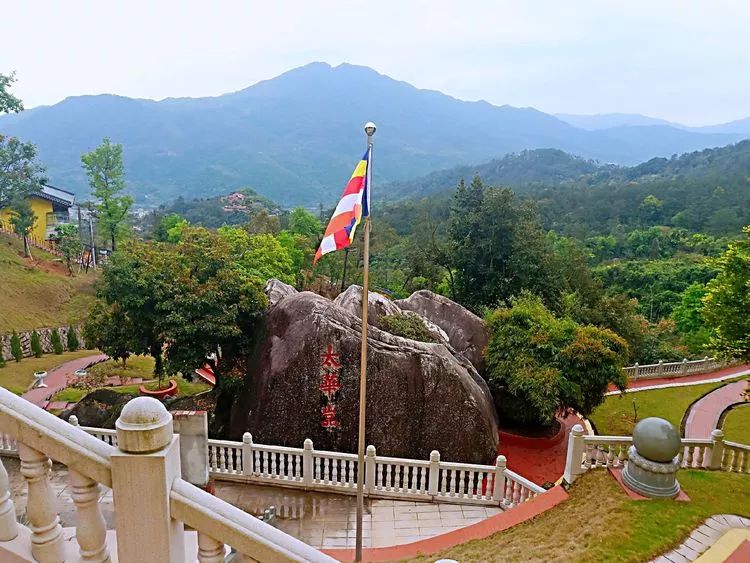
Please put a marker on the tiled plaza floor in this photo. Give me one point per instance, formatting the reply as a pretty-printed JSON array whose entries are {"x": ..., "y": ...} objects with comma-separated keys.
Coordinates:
[{"x": 321, "y": 520}]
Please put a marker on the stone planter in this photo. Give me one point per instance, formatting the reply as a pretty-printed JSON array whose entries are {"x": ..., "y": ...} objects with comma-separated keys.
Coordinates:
[{"x": 169, "y": 391}]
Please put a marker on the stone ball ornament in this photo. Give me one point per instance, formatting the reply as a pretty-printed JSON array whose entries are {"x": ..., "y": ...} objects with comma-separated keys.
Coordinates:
[
  {"x": 144, "y": 426},
  {"x": 656, "y": 439}
]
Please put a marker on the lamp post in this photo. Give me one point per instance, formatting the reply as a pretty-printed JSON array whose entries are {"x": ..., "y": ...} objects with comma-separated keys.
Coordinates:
[{"x": 369, "y": 131}]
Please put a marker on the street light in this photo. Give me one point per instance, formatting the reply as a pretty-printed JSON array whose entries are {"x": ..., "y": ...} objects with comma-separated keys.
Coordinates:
[{"x": 370, "y": 128}]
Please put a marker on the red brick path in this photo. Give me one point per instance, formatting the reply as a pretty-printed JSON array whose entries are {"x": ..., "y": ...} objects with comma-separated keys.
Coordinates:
[
  {"x": 704, "y": 414},
  {"x": 57, "y": 378}
]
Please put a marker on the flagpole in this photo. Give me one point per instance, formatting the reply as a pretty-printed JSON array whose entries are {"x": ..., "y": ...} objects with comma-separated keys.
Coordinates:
[{"x": 370, "y": 131}]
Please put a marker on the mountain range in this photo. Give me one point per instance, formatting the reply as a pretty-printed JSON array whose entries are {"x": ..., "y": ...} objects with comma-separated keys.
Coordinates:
[{"x": 295, "y": 138}]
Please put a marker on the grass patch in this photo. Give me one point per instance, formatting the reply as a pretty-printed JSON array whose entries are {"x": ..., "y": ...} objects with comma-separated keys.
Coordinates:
[
  {"x": 17, "y": 376},
  {"x": 614, "y": 417},
  {"x": 39, "y": 293},
  {"x": 600, "y": 523},
  {"x": 136, "y": 366},
  {"x": 737, "y": 425}
]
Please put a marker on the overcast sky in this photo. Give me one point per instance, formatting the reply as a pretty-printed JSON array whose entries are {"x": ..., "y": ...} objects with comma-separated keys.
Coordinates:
[{"x": 687, "y": 61}]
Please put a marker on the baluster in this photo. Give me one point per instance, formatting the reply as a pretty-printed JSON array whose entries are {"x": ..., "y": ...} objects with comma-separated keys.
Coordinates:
[
  {"x": 745, "y": 462},
  {"x": 46, "y": 533},
  {"x": 729, "y": 459},
  {"x": 209, "y": 550},
  {"x": 274, "y": 467},
  {"x": 420, "y": 478},
  {"x": 8, "y": 525},
  {"x": 335, "y": 472},
  {"x": 380, "y": 472},
  {"x": 388, "y": 477},
  {"x": 611, "y": 455},
  {"x": 454, "y": 482},
  {"x": 91, "y": 530},
  {"x": 317, "y": 470},
  {"x": 587, "y": 456}
]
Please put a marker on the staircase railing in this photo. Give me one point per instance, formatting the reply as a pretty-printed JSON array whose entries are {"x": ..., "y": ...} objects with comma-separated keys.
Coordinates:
[{"x": 151, "y": 500}]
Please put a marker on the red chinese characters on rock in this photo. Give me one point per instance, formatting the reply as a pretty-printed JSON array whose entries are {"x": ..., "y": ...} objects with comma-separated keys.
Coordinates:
[{"x": 329, "y": 387}]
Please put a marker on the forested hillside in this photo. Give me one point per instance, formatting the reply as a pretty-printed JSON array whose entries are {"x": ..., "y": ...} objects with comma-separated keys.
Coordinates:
[{"x": 294, "y": 137}]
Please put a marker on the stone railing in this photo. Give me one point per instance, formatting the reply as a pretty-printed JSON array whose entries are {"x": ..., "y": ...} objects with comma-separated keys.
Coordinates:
[
  {"x": 385, "y": 477},
  {"x": 592, "y": 452},
  {"x": 672, "y": 369},
  {"x": 152, "y": 502}
]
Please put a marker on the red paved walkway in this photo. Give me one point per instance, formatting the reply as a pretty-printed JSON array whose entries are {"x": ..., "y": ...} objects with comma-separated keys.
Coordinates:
[
  {"x": 704, "y": 414},
  {"x": 539, "y": 464},
  {"x": 57, "y": 378}
]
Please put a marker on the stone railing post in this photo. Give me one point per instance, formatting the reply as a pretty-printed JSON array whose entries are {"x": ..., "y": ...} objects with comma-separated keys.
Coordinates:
[
  {"x": 144, "y": 467},
  {"x": 91, "y": 529},
  {"x": 8, "y": 525},
  {"x": 573, "y": 461},
  {"x": 717, "y": 450},
  {"x": 635, "y": 371},
  {"x": 660, "y": 369},
  {"x": 307, "y": 463},
  {"x": 498, "y": 489},
  {"x": 47, "y": 544},
  {"x": 432, "y": 488},
  {"x": 370, "y": 469},
  {"x": 247, "y": 454},
  {"x": 684, "y": 368}
]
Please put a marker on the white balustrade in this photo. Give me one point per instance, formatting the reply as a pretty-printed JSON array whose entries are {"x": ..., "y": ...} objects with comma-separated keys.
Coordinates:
[
  {"x": 671, "y": 369},
  {"x": 151, "y": 500}
]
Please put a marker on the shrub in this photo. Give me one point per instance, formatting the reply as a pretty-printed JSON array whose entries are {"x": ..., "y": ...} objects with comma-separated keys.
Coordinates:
[
  {"x": 57, "y": 346},
  {"x": 94, "y": 380},
  {"x": 2, "y": 358},
  {"x": 15, "y": 347},
  {"x": 539, "y": 365},
  {"x": 72, "y": 339},
  {"x": 406, "y": 325},
  {"x": 36, "y": 345}
]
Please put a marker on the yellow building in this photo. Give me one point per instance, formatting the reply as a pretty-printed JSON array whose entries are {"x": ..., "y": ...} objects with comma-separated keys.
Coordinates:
[{"x": 51, "y": 207}]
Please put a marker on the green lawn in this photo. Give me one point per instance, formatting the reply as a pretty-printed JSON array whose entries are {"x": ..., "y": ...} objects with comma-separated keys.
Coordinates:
[
  {"x": 600, "y": 523},
  {"x": 39, "y": 293},
  {"x": 615, "y": 416},
  {"x": 737, "y": 425},
  {"x": 136, "y": 366},
  {"x": 18, "y": 376}
]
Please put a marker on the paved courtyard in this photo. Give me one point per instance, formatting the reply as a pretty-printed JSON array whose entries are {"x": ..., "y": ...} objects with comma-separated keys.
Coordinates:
[{"x": 321, "y": 520}]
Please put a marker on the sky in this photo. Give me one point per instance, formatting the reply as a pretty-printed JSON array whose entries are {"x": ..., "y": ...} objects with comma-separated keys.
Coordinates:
[{"x": 686, "y": 61}]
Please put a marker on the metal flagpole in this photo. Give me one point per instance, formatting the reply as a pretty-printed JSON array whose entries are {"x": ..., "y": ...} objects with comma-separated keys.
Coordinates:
[{"x": 370, "y": 131}]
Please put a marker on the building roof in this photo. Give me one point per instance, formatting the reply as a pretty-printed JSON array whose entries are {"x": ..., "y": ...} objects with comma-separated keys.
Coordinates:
[{"x": 56, "y": 195}]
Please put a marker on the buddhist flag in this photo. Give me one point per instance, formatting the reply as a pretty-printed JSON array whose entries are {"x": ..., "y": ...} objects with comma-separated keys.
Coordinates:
[{"x": 353, "y": 205}]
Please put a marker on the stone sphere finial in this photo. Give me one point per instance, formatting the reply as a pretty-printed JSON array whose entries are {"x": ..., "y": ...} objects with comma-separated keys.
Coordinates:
[
  {"x": 144, "y": 426},
  {"x": 656, "y": 439}
]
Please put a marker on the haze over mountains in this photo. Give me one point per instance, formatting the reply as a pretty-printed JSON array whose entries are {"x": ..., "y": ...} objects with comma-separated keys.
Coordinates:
[{"x": 295, "y": 138}]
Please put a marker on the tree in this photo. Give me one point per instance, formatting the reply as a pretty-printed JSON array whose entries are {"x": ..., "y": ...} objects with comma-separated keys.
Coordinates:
[
  {"x": 689, "y": 321},
  {"x": 109, "y": 329},
  {"x": 36, "y": 345},
  {"x": 15, "y": 347},
  {"x": 56, "y": 342},
  {"x": 23, "y": 219},
  {"x": 301, "y": 222},
  {"x": 106, "y": 174},
  {"x": 20, "y": 174},
  {"x": 539, "y": 365},
  {"x": 170, "y": 228},
  {"x": 727, "y": 301},
  {"x": 72, "y": 339},
  {"x": 262, "y": 256},
  {"x": 8, "y": 102},
  {"x": 69, "y": 244}
]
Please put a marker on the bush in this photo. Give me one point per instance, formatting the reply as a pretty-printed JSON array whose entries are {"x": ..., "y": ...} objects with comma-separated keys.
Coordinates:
[
  {"x": 72, "y": 339},
  {"x": 57, "y": 346},
  {"x": 94, "y": 380},
  {"x": 36, "y": 345},
  {"x": 539, "y": 365},
  {"x": 406, "y": 325},
  {"x": 2, "y": 358},
  {"x": 15, "y": 347}
]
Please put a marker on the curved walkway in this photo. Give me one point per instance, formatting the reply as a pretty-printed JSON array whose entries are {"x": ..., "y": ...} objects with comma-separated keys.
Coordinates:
[
  {"x": 704, "y": 414},
  {"x": 57, "y": 378},
  {"x": 684, "y": 381},
  {"x": 705, "y": 536}
]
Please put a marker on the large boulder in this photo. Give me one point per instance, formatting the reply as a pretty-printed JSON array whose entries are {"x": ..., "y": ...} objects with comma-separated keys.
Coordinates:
[
  {"x": 420, "y": 396},
  {"x": 466, "y": 332},
  {"x": 276, "y": 290},
  {"x": 100, "y": 408},
  {"x": 378, "y": 305}
]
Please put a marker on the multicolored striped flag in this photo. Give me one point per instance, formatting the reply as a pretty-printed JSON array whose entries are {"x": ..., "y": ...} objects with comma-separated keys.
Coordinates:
[{"x": 353, "y": 206}]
